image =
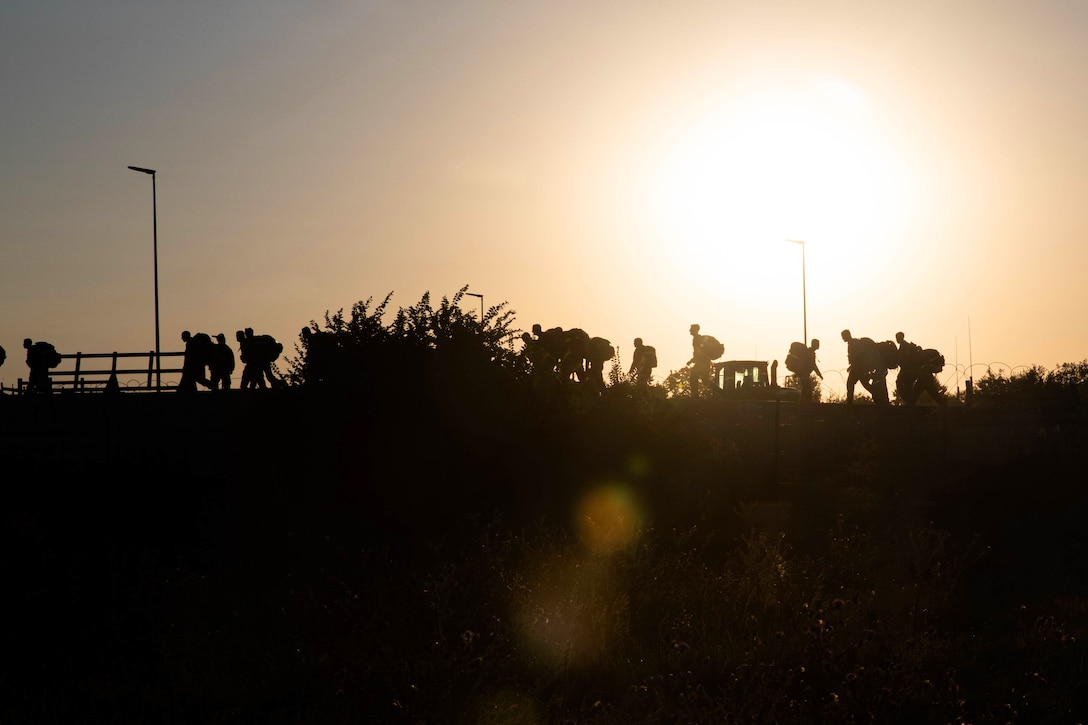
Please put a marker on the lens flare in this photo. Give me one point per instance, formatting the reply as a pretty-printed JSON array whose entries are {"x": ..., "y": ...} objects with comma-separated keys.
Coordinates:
[
  {"x": 608, "y": 519},
  {"x": 572, "y": 609}
]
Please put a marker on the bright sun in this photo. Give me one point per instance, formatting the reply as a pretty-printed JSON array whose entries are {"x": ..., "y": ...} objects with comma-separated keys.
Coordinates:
[{"x": 783, "y": 163}]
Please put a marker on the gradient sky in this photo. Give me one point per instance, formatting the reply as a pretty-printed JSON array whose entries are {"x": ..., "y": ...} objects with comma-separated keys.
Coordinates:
[{"x": 628, "y": 168}]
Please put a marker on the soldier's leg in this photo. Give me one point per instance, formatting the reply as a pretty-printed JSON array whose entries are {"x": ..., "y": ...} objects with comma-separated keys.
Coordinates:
[{"x": 880, "y": 388}]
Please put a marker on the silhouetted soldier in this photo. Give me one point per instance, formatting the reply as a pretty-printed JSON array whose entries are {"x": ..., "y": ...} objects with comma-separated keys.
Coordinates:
[
  {"x": 704, "y": 350},
  {"x": 869, "y": 364},
  {"x": 918, "y": 370},
  {"x": 249, "y": 366},
  {"x": 262, "y": 351},
  {"x": 221, "y": 363},
  {"x": 801, "y": 361},
  {"x": 598, "y": 352},
  {"x": 40, "y": 356},
  {"x": 553, "y": 345},
  {"x": 575, "y": 351},
  {"x": 535, "y": 354},
  {"x": 643, "y": 362},
  {"x": 198, "y": 352},
  {"x": 774, "y": 373},
  {"x": 320, "y": 355}
]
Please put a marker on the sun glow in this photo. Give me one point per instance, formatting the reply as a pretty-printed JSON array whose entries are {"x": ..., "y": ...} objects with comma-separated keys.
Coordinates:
[{"x": 780, "y": 163}]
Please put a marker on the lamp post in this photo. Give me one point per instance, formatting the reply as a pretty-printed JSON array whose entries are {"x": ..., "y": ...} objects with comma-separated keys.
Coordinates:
[
  {"x": 155, "y": 253},
  {"x": 804, "y": 294},
  {"x": 473, "y": 294}
]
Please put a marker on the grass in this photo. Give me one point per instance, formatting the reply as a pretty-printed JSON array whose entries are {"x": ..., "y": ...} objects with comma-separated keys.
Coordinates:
[{"x": 631, "y": 562}]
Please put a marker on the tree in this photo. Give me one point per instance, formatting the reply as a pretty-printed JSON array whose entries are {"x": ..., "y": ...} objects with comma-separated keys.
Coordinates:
[
  {"x": 792, "y": 382},
  {"x": 678, "y": 384},
  {"x": 421, "y": 342},
  {"x": 1023, "y": 386},
  {"x": 1064, "y": 385}
]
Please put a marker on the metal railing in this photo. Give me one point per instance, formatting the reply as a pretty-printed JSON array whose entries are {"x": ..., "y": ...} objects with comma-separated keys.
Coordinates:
[{"x": 93, "y": 377}]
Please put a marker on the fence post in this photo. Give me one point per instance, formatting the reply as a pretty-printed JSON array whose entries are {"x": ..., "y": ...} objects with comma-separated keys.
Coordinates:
[
  {"x": 76, "y": 383},
  {"x": 150, "y": 367}
]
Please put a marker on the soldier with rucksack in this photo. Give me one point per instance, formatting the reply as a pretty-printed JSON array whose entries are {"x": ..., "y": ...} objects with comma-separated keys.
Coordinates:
[
  {"x": 869, "y": 364},
  {"x": 198, "y": 353},
  {"x": 575, "y": 351},
  {"x": 221, "y": 363},
  {"x": 918, "y": 370},
  {"x": 801, "y": 361},
  {"x": 643, "y": 362},
  {"x": 263, "y": 350},
  {"x": 551, "y": 345},
  {"x": 40, "y": 357},
  {"x": 705, "y": 349},
  {"x": 322, "y": 356},
  {"x": 598, "y": 352}
]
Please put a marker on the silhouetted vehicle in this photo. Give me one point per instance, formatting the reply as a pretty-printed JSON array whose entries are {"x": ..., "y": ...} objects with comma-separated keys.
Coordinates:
[{"x": 749, "y": 380}]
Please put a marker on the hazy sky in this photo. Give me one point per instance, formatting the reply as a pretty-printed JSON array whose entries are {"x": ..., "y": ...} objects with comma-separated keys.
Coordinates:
[{"x": 629, "y": 168}]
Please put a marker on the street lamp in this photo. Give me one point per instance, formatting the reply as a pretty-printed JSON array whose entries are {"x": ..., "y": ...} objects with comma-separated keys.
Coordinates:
[
  {"x": 155, "y": 250},
  {"x": 804, "y": 294},
  {"x": 473, "y": 294}
]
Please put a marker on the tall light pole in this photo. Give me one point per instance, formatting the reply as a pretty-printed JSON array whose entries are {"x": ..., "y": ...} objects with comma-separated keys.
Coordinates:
[
  {"x": 473, "y": 294},
  {"x": 804, "y": 293},
  {"x": 155, "y": 251}
]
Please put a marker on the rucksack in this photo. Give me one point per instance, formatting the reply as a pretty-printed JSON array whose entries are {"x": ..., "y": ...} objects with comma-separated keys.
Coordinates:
[
  {"x": 46, "y": 354},
  {"x": 712, "y": 347},
  {"x": 601, "y": 349},
  {"x": 864, "y": 354},
  {"x": 795, "y": 358},
  {"x": 202, "y": 344},
  {"x": 933, "y": 361},
  {"x": 889, "y": 354},
  {"x": 650, "y": 356},
  {"x": 269, "y": 349}
]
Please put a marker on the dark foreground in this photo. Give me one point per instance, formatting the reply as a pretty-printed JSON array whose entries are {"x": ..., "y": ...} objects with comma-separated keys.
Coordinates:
[{"x": 413, "y": 557}]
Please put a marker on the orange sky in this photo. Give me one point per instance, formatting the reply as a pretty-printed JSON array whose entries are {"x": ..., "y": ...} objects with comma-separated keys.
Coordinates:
[{"x": 628, "y": 168}]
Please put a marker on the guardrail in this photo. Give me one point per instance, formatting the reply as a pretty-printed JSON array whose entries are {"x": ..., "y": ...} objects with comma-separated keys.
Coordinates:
[{"x": 92, "y": 378}]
